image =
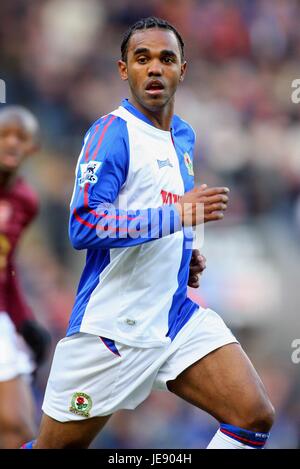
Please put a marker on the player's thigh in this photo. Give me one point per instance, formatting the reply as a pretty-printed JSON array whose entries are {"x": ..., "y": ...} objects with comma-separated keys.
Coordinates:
[
  {"x": 73, "y": 434},
  {"x": 16, "y": 405},
  {"x": 225, "y": 384}
]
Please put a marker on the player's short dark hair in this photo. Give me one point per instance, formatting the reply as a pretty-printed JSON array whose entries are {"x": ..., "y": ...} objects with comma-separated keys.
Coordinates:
[{"x": 149, "y": 23}]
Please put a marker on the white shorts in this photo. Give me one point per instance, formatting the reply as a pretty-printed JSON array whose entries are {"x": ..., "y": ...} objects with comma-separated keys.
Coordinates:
[
  {"x": 15, "y": 355},
  {"x": 89, "y": 379}
]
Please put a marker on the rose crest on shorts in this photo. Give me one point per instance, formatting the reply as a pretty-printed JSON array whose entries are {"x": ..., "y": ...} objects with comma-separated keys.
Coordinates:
[{"x": 81, "y": 404}]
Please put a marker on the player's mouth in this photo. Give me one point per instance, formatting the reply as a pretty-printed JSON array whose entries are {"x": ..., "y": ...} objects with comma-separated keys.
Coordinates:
[{"x": 154, "y": 87}]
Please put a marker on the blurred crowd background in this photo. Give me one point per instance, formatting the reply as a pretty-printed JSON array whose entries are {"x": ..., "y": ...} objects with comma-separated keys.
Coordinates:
[{"x": 58, "y": 58}]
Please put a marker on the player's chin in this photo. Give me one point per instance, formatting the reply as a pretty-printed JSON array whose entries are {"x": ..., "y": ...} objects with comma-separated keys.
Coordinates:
[
  {"x": 8, "y": 168},
  {"x": 154, "y": 102}
]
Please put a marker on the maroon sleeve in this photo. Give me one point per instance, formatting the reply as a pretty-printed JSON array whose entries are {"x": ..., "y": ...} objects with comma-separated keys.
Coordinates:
[
  {"x": 21, "y": 204},
  {"x": 31, "y": 209},
  {"x": 19, "y": 310}
]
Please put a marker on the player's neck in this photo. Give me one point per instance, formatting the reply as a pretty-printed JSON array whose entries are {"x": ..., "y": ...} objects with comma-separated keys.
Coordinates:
[
  {"x": 7, "y": 179},
  {"x": 160, "y": 118}
]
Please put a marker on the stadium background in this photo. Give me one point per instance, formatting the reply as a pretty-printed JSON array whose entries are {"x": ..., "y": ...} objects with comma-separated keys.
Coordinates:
[{"x": 58, "y": 58}]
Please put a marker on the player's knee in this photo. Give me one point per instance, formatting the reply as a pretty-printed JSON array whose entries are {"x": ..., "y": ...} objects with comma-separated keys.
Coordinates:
[
  {"x": 260, "y": 417},
  {"x": 265, "y": 417}
]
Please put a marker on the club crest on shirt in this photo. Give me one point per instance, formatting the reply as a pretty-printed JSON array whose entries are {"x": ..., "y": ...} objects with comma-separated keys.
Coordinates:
[
  {"x": 88, "y": 172},
  {"x": 188, "y": 164},
  {"x": 81, "y": 404}
]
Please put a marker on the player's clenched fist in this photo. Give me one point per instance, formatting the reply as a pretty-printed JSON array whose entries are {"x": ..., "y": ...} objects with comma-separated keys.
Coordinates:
[
  {"x": 203, "y": 204},
  {"x": 197, "y": 266}
]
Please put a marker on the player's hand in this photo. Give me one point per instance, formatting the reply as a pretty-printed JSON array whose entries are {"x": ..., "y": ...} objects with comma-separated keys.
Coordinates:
[
  {"x": 214, "y": 200},
  {"x": 197, "y": 266},
  {"x": 37, "y": 338}
]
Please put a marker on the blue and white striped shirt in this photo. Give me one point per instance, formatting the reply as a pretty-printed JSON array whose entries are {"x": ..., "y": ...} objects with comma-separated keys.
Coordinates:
[{"x": 133, "y": 288}]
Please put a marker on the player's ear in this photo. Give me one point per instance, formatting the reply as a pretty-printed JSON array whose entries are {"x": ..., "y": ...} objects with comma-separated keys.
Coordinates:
[
  {"x": 183, "y": 71},
  {"x": 123, "y": 70}
]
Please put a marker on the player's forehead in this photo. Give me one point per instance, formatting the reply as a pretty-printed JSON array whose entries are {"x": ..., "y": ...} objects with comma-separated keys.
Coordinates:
[
  {"x": 14, "y": 124},
  {"x": 155, "y": 40}
]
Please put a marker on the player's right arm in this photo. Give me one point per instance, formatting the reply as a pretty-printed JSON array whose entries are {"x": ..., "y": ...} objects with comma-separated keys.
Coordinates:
[{"x": 95, "y": 223}]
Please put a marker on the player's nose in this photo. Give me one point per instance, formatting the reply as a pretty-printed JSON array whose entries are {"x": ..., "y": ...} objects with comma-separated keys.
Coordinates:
[{"x": 155, "y": 68}]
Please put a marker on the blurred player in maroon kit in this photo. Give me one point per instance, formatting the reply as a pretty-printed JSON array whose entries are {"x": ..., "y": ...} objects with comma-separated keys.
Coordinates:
[{"x": 23, "y": 342}]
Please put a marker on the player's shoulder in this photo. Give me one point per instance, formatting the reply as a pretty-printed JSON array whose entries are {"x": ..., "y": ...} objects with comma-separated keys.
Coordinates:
[
  {"x": 108, "y": 129},
  {"x": 183, "y": 129}
]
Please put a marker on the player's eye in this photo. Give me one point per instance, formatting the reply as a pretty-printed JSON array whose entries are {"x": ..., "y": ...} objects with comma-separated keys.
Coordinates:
[
  {"x": 169, "y": 59},
  {"x": 142, "y": 60}
]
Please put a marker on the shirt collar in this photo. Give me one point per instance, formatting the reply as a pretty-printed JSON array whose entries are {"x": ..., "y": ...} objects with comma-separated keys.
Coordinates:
[{"x": 131, "y": 108}]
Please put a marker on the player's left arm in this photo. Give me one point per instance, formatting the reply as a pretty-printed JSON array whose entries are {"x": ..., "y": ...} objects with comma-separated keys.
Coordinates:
[
  {"x": 18, "y": 307},
  {"x": 35, "y": 334},
  {"x": 197, "y": 266}
]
